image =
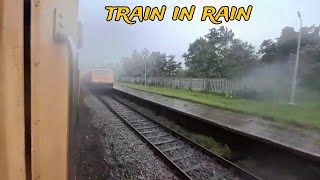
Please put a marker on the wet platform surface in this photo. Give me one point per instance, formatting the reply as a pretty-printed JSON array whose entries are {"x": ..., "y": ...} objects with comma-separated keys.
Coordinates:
[{"x": 294, "y": 138}]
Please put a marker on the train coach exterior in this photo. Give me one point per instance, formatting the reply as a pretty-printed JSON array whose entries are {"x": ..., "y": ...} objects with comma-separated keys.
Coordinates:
[
  {"x": 39, "y": 44},
  {"x": 100, "y": 79}
]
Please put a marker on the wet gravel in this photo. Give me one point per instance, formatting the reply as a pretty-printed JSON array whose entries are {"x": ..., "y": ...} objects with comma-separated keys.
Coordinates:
[
  {"x": 129, "y": 157},
  {"x": 90, "y": 162},
  {"x": 171, "y": 144},
  {"x": 208, "y": 168},
  {"x": 160, "y": 139},
  {"x": 179, "y": 152},
  {"x": 149, "y": 135},
  {"x": 191, "y": 161}
]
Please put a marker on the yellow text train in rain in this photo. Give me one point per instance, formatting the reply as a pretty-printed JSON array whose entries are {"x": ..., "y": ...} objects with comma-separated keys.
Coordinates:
[{"x": 147, "y": 13}]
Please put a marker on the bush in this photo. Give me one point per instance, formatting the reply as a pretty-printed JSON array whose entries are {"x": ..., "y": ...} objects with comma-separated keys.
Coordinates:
[
  {"x": 311, "y": 82},
  {"x": 247, "y": 93}
]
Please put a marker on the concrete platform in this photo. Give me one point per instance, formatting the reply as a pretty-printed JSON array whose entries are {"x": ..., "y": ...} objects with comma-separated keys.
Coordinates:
[{"x": 299, "y": 140}]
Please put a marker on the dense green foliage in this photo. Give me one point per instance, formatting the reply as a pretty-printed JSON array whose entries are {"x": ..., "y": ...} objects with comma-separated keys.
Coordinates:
[
  {"x": 219, "y": 55},
  {"x": 285, "y": 48},
  {"x": 206, "y": 141},
  {"x": 266, "y": 72},
  {"x": 157, "y": 64}
]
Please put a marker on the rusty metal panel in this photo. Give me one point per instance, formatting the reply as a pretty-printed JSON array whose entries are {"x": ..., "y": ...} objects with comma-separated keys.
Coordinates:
[
  {"x": 51, "y": 70},
  {"x": 12, "y": 160}
]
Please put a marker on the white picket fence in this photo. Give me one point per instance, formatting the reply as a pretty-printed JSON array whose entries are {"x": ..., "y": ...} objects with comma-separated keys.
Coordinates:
[{"x": 210, "y": 85}]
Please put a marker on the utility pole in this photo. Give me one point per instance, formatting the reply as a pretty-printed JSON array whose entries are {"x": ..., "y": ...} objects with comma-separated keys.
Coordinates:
[
  {"x": 294, "y": 81},
  {"x": 145, "y": 72}
]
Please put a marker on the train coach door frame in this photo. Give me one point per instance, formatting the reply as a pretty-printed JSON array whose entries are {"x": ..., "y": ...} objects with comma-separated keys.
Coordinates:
[
  {"x": 54, "y": 88},
  {"x": 12, "y": 97},
  {"x": 64, "y": 39},
  {"x": 37, "y": 83},
  {"x": 27, "y": 84}
]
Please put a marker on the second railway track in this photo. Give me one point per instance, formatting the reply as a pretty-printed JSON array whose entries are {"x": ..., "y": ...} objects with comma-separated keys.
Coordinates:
[{"x": 188, "y": 159}]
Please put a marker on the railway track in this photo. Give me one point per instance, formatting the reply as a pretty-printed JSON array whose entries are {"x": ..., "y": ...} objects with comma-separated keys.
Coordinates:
[{"x": 188, "y": 159}]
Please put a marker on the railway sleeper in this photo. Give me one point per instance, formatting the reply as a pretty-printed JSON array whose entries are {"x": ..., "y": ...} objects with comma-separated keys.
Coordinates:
[
  {"x": 172, "y": 148},
  {"x": 164, "y": 142},
  {"x": 181, "y": 157},
  {"x": 192, "y": 168},
  {"x": 157, "y": 136},
  {"x": 136, "y": 122},
  {"x": 221, "y": 175},
  {"x": 141, "y": 124},
  {"x": 148, "y": 127},
  {"x": 148, "y": 132}
]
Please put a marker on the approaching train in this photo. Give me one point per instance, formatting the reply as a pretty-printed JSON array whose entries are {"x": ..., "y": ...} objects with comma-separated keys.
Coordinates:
[{"x": 99, "y": 80}]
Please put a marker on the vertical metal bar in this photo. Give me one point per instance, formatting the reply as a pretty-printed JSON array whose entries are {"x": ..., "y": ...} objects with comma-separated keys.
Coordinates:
[{"x": 294, "y": 81}]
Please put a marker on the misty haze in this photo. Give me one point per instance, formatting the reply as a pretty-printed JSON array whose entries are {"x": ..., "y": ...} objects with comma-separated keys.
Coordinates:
[
  {"x": 247, "y": 90},
  {"x": 159, "y": 90}
]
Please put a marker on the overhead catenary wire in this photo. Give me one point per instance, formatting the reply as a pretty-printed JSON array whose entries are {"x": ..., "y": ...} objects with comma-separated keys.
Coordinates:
[
  {"x": 154, "y": 2},
  {"x": 153, "y": 5},
  {"x": 173, "y": 4}
]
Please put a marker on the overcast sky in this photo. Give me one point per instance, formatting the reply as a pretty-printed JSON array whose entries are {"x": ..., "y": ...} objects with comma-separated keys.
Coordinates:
[{"x": 109, "y": 41}]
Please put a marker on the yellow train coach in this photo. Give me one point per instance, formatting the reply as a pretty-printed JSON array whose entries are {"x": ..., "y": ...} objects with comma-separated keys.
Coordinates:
[{"x": 39, "y": 89}]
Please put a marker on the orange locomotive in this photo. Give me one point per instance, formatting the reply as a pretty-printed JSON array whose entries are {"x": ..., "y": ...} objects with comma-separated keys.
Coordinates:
[{"x": 99, "y": 79}]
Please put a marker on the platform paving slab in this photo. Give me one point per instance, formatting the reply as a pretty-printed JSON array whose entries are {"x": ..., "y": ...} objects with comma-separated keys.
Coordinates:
[{"x": 299, "y": 140}]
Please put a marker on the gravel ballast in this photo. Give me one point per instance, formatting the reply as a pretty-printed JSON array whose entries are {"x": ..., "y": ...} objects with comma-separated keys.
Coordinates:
[
  {"x": 188, "y": 165},
  {"x": 129, "y": 156}
]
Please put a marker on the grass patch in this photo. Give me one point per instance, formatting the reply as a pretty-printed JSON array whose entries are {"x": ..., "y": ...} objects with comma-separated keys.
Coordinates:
[
  {"x": 205, "y": 141},
  {"x": 306, "y": 113}
]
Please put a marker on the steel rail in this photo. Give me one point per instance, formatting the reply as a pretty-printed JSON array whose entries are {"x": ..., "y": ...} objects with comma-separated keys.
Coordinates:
[
  {"x": 222, "y": 161},
  {"x": 170, "y": 163}
]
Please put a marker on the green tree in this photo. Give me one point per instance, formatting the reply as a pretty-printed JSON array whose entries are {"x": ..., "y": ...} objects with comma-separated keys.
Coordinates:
[
  {"x": 172, "y": 66},
  {"x": 284, "y": 49},
  {"x": 268, "y": 51},
  {"x": 158, "y": 61},
  {"x": 158, "y": 64},
  {"x": 134, "y": 65},
  {"x": 239, "y": 59},
  {"x": 197, "y": 58},
  {"x": 218, "y": 55},
  {"x": 286, "y": 45}
]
